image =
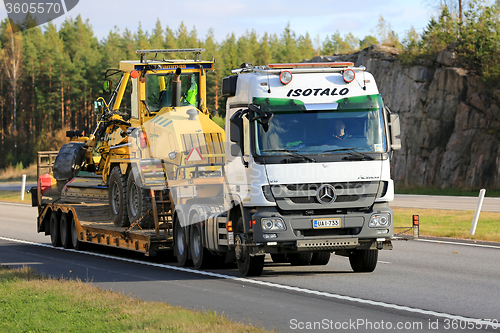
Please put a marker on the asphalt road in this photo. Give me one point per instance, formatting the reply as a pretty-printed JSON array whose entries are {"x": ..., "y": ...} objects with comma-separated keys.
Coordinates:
[
  {"x": 445, "y": 202},
  {"x": 418, "y": 285}
]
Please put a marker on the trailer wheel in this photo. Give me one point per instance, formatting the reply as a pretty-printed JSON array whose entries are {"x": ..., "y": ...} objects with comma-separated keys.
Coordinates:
[
  {"x": 75, "y": 242},
  {"x": 247, "y": 265},
  {"x": 54, "y": 230},
  {"x": 65, "y": 230},
  {"x": 202, "y": 258},
  {"x": 363, "y": 261},
  {"x": 300, "y": 259},
  {"x": 118, "y": 197},
  {"x": 139, "y": 203},
  {"x": 320, "y": 258},
  {"x": 180, "y": 244}
]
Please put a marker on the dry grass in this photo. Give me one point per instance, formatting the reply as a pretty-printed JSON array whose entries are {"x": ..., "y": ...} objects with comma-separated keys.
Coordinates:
[{"x": 16, "y": 174}]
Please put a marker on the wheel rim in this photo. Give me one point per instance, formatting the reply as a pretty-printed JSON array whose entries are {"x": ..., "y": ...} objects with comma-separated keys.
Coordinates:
[
  {"x": 180, "y": 243},
  {"x": 134, "y": 200},
  {"x": 196, "y": 242},
  {"x": 115, "y": 203}
]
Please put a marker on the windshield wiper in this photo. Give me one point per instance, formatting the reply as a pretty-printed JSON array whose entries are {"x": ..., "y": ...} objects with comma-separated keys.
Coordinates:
[
  {"x": 292, "y": 152},
  {"x": 350, "y": 151}
]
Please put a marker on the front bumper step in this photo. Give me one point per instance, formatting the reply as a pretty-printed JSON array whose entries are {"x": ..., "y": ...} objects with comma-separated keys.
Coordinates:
[{"x": 327, "y": 244}]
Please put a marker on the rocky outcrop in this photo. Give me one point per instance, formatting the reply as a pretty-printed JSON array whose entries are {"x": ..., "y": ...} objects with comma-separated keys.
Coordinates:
[{"x": 450, "y": 121}]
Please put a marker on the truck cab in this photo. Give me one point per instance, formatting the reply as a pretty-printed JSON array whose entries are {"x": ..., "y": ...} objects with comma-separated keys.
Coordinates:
[{"x": 309, "y": 163}]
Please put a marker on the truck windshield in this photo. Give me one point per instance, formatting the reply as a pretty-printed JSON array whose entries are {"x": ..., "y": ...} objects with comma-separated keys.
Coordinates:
[
  {"x": 353, "y": 125},
  {"x": 159, "y": 90}
]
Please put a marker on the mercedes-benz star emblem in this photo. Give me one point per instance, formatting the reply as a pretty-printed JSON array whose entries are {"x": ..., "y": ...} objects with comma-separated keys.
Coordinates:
[{"x": 326, "y": 194}]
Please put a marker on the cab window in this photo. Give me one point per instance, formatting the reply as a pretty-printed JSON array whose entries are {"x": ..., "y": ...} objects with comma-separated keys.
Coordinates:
[{"x": 159, "y": 90}]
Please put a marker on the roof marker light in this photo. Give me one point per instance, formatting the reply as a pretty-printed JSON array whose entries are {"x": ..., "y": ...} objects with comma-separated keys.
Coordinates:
[
  {"x": 348, "y": 75},
  {"x": 286, "y": 77}
]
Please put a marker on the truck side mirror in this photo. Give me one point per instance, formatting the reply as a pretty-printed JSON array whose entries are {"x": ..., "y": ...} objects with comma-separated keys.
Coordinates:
[
  {"x": 395, "y": 132},
  {"x": 235, "y": 150},
  {"x": 236, "y": 130}
]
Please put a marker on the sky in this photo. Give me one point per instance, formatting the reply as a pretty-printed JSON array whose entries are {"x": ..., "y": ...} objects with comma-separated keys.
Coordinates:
[{"x": 317, "y": 17}]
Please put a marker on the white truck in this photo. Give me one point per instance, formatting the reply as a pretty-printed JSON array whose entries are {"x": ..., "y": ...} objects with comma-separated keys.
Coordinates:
[{"x": 308, "y": 166}]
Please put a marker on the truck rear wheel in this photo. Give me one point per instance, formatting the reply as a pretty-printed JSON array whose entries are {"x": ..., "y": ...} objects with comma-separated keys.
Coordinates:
[
  {"x": 54, "y": 230},
  {"x": 180, "y": 243},
  {"x": 139, "y": 203},
  {"x": 202, "y": 258},
  {"x": 64, "y": 230},
  {"x": 118, "y": 197},
  {"x": 247, "y": 265},
  {"x": 320, "y": 258},
  {"x": 363, "y": 261}
]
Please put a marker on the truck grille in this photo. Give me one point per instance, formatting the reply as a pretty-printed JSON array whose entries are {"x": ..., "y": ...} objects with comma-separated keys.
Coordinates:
[{"x": 304, "y": 196}]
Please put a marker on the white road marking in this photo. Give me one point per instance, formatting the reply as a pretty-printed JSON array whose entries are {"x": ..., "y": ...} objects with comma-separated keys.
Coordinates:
[
  {"x": 457, "y": 243},
  {"x": 279, "y": 286}
]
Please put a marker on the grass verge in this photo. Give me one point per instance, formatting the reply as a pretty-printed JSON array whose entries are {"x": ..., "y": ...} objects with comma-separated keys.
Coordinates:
[
  {"x": 31, "y": 303},
  {"x": 15, "y": 196},
  {"x": 450, "y": 223},
  {"x": 12, "y": 174}
]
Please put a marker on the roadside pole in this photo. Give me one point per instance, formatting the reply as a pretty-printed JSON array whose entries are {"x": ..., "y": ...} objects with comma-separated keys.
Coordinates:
[
  {"x": 478, "y": 210},
  {"x": 23, "y": 188}
]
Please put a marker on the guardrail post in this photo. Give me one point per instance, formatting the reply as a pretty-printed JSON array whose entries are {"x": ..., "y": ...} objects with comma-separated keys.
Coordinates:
[{"x": 478, "y": 210}]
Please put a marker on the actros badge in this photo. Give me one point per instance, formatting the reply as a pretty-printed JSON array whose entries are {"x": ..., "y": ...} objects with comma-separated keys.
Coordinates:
[{"x": 31, "y": 13}]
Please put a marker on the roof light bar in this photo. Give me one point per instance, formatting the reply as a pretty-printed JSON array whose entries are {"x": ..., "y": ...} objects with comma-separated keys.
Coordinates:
[{"x": 311, "y": 65}]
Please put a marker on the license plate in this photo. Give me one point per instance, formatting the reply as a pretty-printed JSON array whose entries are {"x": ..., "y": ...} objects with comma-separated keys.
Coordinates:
[{"x": 326, "y": 223}]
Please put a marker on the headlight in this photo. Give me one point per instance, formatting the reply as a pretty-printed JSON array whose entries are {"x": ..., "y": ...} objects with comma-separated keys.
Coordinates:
[
  {"x": 380, "y": 220},
  {"x": 272, "y": 224}
]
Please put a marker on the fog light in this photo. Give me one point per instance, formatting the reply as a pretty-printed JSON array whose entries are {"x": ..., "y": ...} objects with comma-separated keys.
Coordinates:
[
  {"x": 382, "y": 231},
  {"x": 270, "y": 236}
]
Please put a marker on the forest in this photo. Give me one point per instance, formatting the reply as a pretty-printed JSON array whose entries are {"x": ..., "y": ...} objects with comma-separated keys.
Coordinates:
[{"x": 50, "y": 76}]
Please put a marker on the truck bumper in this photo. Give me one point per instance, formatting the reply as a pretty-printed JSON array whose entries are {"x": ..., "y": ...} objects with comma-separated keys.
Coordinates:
[{"x": 301, "y": 235}]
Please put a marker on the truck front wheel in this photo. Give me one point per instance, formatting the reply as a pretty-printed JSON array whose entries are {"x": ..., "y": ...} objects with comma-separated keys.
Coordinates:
[
  {"x": 118, "y": 197},
  {"x": 363, "y": 261},
  {"x": 247, "y": 265}
]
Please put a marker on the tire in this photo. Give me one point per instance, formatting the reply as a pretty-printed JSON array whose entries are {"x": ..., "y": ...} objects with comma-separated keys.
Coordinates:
[
  {"x": 68, "y": 162},
  {"x": 55, "y": 239},
  {"x": 247, "y": 265},
  {"x": 320, "y": 258},
  {"x": 138, "y": 204},
  {"x": 300, "y": 259},
  {"x": 65, "y": 231},
  {"x": 181, "y": 248},
  {"x": 117, "y": 193},
  {"x": 363, "y": 261},
  {"x": 75, "y": 241},
  {"x": 202, "y": 258},
  {"x": 279, "y": 258}
]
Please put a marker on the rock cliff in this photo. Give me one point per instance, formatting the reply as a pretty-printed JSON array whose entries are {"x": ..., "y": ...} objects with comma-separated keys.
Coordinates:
[{"x": 450, "y": 121}]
